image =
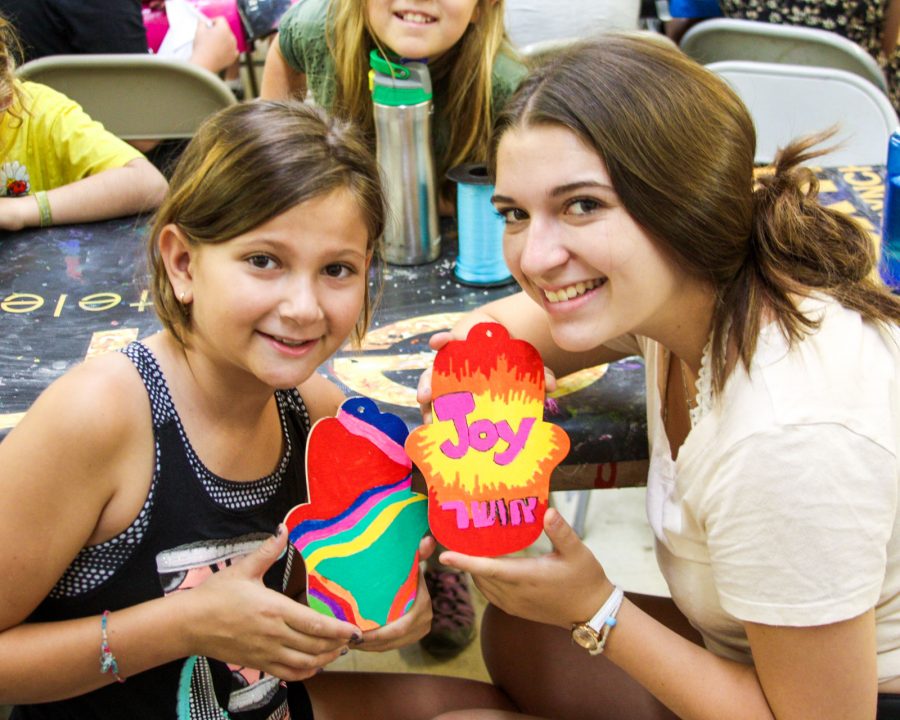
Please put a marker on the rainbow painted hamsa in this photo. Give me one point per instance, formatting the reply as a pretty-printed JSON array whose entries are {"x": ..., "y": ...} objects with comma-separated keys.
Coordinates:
[
  {"x": 487, "y": 456},
  {"x": 359, "y": 533}
]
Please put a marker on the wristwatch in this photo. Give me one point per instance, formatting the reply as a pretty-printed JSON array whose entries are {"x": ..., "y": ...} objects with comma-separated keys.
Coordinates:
[{"x": 592, "y": 635}]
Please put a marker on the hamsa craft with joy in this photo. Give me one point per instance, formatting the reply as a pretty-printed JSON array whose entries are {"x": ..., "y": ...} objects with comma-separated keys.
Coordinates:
[{"x": 488, "y": 454}]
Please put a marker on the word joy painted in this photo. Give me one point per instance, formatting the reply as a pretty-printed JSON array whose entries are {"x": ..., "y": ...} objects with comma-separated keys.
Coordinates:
[{"x": 482, "y": 435}]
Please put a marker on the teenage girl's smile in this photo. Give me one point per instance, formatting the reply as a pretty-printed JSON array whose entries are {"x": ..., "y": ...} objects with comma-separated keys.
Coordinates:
[
  {"x": 572, "y": 245},
  {"x": 420, "y": 29},
  {"x": 572, "y": 292},
  {"x": 287, "y": 294}
]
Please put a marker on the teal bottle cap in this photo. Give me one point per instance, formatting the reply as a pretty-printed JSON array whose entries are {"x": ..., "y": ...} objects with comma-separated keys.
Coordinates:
[{"x": 396, "y": 84}]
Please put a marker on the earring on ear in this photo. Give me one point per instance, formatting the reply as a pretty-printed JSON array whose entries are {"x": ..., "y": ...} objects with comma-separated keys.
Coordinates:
[{"x": 181, "y": 297}]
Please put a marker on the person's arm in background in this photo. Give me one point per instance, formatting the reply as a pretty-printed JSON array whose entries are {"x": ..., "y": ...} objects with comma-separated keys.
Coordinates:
[
  {"x": 215, "y": 47},
  {"x": 891, "y": 28},
  {"x": 280, "y": 81},
  {"x": 135, "y": 187}
]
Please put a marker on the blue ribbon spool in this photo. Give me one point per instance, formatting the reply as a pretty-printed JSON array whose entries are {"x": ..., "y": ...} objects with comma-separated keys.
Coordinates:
[{"x": 480, "y": 229}]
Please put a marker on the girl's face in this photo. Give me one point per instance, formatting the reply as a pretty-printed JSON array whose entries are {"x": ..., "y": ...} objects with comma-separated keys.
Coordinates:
[
  {"x": 572, "y": 245},
  {"x": 278, "y": 301},
  {"x": 420, "y": 29}
]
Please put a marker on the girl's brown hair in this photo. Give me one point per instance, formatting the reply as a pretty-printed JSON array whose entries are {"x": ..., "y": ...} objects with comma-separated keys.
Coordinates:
[
  {"x": 250, "y": 163},
  {"x": 462, "y": 77},
  {"x": 679, "y": 148}
]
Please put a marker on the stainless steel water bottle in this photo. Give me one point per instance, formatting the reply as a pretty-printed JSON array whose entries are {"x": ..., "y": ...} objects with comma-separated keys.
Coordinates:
[{"x": 401, "y": 96}]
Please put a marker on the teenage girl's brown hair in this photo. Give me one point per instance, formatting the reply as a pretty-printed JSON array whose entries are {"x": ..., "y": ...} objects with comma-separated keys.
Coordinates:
[
  {"x": 462, "y": 77},
  {"x": 251, "y": 162},
  {"x": 679, "y": 147}
]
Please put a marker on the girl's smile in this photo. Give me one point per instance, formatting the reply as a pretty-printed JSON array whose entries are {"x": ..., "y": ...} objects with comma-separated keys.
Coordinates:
[{"x": 420, "y": 29}]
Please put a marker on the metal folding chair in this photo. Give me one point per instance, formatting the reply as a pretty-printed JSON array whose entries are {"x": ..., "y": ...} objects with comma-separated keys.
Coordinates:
[{"x": 136, "y": 97}]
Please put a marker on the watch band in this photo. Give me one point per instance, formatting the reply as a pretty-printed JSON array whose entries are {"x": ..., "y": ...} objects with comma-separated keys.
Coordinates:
[
  {"x": 593, "y": 634},
  {"x": 608, "y": 610}
]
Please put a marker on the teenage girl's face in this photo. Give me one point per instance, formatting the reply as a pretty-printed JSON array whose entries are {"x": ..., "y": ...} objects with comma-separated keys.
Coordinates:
[
  {"x": 276, "y": 302},
  {"x": 420, "y": 29},
  {"x": 572, "y": 245}
]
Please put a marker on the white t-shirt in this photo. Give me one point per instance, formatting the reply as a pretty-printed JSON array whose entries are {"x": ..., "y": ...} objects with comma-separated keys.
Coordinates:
[
  {"x": 782, "y": 507},
  {"x": 530, "y": 21}
]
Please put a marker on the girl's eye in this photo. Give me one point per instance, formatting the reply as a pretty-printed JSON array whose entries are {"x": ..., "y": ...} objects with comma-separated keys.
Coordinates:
[
  {"x": 583, "y": 206},
  {"x": 261, "y": 262},
  {"x": 512, "y": 215},
  {"x": 339, "y": 270}
]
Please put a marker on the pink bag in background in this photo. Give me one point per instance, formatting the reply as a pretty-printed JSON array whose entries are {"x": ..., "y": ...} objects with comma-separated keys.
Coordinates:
[{"x": 157, "y": 25}]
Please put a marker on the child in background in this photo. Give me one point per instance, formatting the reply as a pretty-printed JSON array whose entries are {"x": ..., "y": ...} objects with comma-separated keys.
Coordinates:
[
  {"x": 59, "y": 166},
  {"x": 139, "y": 494},
  {"x": 323, "y": 46}
]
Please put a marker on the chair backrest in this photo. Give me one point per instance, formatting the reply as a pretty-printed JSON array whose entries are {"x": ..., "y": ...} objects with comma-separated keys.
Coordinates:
[
  {"x": 787, "y": 101},
  {"x": 538, "y": 52},
  {"x": 136, "y": 97},
  {"x": 731, "y": 39}
]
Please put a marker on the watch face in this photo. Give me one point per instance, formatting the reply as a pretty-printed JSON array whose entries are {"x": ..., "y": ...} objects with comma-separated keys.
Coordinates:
[{"x": 585, "y": 636}]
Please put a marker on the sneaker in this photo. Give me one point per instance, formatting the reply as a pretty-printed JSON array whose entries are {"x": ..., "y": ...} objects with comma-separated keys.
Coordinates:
[{"x": 453, "y": 621}]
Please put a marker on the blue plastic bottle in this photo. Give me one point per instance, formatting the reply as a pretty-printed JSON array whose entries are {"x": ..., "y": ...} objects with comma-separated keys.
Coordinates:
[{"x": 890, "y": 227}]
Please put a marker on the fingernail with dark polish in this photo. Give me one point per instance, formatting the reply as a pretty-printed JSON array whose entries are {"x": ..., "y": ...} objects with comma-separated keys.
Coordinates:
[
  {"x": 356, "y": 639},
  {"x": 344, "y": 651}
]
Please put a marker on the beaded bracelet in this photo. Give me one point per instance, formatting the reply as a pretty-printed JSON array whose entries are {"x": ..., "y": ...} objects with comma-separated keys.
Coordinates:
[
  {"x": 44, "y": 208},
  {"x": 108, "y": 663}
]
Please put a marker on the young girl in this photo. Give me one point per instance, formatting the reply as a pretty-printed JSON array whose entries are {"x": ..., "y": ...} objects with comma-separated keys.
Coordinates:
[
  {"x": 56, "y": 164},
  {"x": 141, "y": 491},
  {"x": 323, "y": 46},
  {"x": 624, "y": 172}
]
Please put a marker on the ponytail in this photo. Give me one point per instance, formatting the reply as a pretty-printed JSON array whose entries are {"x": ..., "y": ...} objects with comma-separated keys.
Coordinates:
[{"x": 797, "y": 247}]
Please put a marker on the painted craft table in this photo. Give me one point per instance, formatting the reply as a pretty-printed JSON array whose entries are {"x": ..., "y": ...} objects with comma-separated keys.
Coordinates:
[{"x": 70, "y": 292}]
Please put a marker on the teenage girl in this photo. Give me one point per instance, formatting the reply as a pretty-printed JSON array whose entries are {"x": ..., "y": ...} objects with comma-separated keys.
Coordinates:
[
  {"x": 624, "y": 172},
  {"x": 140, "y": 493},
  {"x": 57, "y": 165},
  {"x": 323, "y": 47}
]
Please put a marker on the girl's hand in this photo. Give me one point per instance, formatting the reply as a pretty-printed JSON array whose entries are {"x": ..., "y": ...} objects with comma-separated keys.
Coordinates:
[
  {"x": 415, "y": 624},
  {"x": 239, "y": 620},
  {"x": 565, "y": 586}
]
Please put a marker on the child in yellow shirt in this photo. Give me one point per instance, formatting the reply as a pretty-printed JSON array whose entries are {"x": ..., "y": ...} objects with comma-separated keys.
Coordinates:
[{"x": 59, "y": 166}]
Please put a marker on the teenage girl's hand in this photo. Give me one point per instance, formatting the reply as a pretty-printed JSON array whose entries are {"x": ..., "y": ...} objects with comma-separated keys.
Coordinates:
[
  {"x": 565, "y": 586},
  {"x": 415, "y": 624},
  {"x": 239, "y": 620}
]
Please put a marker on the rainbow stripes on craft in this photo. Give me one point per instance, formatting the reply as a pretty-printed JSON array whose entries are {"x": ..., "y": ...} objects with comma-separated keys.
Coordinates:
[{"x": 359, "y": 533}]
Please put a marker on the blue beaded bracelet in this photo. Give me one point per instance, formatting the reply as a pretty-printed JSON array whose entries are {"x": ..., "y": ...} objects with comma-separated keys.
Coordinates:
[{"x": 108, "y": 663}]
